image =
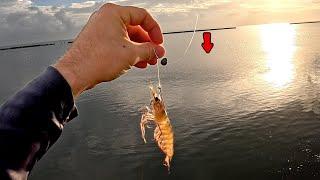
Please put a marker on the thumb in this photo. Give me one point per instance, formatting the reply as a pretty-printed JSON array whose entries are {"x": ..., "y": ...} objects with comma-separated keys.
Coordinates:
[{"x": 148, "y": 51}]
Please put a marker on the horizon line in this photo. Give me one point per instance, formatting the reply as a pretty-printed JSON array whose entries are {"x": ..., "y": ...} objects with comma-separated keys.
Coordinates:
[{"x": 52, "y": 43}]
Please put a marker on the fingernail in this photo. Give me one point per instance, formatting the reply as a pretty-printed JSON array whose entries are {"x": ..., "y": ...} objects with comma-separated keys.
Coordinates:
[{"x": 159, "y": 51}]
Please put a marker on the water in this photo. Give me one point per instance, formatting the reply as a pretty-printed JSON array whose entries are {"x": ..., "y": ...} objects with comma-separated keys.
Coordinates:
[{"x": 248, "y": 110}]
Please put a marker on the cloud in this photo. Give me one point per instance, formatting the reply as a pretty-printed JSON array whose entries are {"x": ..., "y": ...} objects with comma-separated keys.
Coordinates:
[
  {"x": 24, "y": 21},
  {"x": 83, "y": 5},
  {"x": 31, "y": 24}
]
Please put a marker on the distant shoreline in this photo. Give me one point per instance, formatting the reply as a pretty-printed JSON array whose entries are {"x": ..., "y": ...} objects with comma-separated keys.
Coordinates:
[
  {"x": 306, "y": 22},
  {"x": 70, "y": 41}
]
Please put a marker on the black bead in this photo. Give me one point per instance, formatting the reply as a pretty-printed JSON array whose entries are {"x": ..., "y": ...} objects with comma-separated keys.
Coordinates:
[{"x": 164, "y": 61}]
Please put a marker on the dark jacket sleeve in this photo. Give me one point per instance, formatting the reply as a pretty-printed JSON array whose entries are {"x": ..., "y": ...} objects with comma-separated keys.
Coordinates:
[{"x": 31, "y": 121}]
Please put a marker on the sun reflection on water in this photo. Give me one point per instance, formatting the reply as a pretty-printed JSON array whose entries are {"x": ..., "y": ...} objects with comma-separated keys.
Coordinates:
[{"x": 278, "y": 42}]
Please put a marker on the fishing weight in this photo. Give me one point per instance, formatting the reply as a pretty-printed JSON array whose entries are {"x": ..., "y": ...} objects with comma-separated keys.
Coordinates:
[{"x": 164, "y": 61}]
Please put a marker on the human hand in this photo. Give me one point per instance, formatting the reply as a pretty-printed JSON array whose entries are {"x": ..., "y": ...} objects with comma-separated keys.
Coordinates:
[{"x": 114, "y": 39}]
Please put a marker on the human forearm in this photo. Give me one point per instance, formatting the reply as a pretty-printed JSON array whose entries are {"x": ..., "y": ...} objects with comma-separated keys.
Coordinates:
[
  {"x": 114, "y": 39},
  {"x": 32, "y": 120}
]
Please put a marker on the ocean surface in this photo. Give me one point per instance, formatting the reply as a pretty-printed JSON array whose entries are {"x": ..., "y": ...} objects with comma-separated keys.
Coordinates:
[{"x": 248, "y": 110}]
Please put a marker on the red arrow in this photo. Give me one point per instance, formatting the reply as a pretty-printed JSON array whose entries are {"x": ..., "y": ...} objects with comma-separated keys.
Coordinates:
[{"x": 207, "y": 45}]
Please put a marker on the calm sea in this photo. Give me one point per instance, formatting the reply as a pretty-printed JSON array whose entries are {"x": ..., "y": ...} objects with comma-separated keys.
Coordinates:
[{"x": 248, "y": 110}]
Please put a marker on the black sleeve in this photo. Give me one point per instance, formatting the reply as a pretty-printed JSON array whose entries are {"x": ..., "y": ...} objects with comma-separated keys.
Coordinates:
[{"x": 31, "y": 121}]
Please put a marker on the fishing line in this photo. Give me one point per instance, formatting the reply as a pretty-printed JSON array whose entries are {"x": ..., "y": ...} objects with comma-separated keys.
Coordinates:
[
  {"x": 158, "y": 69},
  {"x": 184, "y": 54},
  {"x": 190, "y": 42}
]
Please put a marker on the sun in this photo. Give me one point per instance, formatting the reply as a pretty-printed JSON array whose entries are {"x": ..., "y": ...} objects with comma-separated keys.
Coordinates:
[{"x": 278, "y": 42}]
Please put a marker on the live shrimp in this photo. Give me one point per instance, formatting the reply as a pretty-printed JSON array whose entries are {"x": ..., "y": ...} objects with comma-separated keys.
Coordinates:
[
  {"x": 157, "y": 114},
  {"x": 163, "y": 133}
]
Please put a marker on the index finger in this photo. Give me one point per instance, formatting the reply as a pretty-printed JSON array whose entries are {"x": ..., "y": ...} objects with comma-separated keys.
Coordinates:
[{"x": 138, "y": 16}]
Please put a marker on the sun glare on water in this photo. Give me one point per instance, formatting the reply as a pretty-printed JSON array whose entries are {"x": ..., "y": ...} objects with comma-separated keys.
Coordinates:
[{"x": 278, "y": 42}]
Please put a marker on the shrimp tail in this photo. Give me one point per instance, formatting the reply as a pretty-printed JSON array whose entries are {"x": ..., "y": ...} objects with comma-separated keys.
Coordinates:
[{"x": 167, "y": 162}]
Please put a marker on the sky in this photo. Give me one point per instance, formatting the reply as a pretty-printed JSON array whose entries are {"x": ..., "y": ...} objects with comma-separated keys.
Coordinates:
[{"x": 28, "y": 21}]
